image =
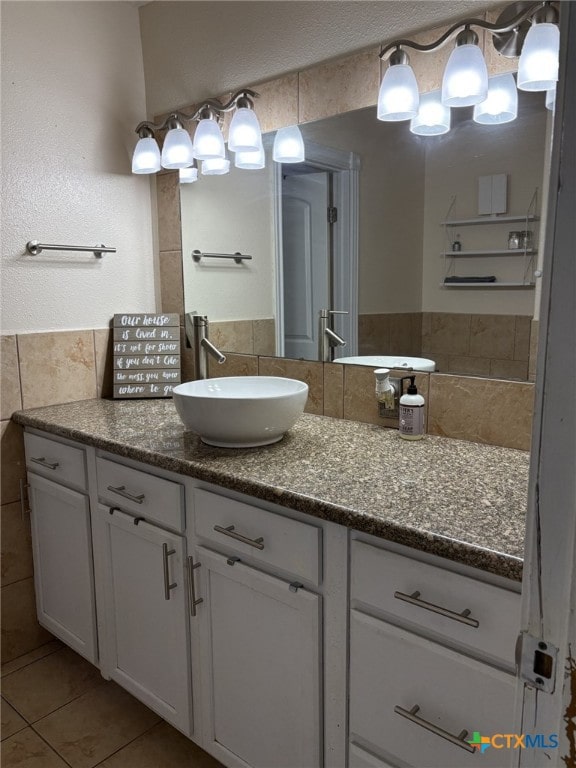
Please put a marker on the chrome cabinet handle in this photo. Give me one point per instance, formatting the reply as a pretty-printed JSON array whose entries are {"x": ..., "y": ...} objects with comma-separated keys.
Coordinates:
[
  {"x": 458, "y": 741},
  {"x": 192, "y": 600},
  {"x": 229, "y": 531},
  {"x": 167, "y": 586},
  {"x": 43, "y": 463},
  {"x": 121, "y": 491},
  {"x": 414, "y": 599}
]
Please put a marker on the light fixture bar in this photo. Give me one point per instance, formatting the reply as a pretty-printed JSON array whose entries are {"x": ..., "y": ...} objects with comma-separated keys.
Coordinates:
[{"x": 493, "y": 28}]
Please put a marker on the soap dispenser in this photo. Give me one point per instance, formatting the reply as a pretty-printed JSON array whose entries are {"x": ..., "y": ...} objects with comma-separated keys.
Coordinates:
[{"x": 411, "y": 425}]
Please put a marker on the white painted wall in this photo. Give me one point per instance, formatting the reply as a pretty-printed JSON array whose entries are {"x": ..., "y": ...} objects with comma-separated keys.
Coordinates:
[
  {"x": 195, "y": 50},
  {"x": 72, "y": 93}
]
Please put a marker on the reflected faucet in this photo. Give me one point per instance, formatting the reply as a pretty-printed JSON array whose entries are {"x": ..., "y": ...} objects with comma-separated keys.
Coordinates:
[
  {"x": 197, "y": 335},
  {"x": 327, "y": 337}
]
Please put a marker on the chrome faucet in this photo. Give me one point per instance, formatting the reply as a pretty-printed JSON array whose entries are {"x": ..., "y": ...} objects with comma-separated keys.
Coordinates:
[
  {"x": 327, "y": 337},
  {"x": 197, "y": 334}
]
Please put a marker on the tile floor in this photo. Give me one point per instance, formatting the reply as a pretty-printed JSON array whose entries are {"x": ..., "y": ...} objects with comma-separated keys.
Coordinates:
[{"x": 58, "y": 712}]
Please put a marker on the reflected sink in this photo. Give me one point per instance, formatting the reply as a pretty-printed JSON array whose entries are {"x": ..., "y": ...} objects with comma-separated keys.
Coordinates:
[
  {"x": 390, "y": 361},
  {"x": 240, "y": 411}
]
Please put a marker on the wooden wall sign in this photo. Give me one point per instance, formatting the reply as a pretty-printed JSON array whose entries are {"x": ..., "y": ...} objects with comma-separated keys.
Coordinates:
[{"x": 146, "y": 355}]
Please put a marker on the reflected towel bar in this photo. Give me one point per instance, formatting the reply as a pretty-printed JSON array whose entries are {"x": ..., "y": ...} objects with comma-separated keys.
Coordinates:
[
  {"x": 34, "y": 248},
  {"x": 238, "y": 257}
]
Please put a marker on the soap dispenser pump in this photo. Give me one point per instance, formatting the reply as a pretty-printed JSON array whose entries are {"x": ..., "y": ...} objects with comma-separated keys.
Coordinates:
[{"x": 411, "y": 424}]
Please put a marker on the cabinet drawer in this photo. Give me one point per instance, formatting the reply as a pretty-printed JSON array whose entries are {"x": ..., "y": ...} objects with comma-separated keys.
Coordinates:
[
  {"x": 279, "y": 541},
  {"x": 384, "y": 580},
  {"x": 143, "y": 494},
  {"x": 58, "y": 461},
  {"x": 391, "y": 668}
]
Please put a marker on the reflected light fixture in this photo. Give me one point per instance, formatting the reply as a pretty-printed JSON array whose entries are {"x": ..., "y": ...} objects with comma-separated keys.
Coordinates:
[
  {"x": 217, "y": 166},
  {"x": 501, "y": 104},
  {"x": 398, "y": 97},
  {"x": 433, "y": 118},
  {"x": 250, "y": 161},
  {"x": 288, "y": 145},
  {"x": 528, "y": 30},
  {"x": 188, "y": 175}
]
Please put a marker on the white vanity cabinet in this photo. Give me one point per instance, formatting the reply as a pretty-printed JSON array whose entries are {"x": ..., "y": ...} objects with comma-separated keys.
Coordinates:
[
  {"x": 146, "y": 645},
  {"x": 62, "y": 542},
  {"x": 260, "y": 635},
  {"x": 420, "y": 687}
]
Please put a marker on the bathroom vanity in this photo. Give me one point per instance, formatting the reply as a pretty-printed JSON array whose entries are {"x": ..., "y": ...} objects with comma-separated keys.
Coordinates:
[{"x": 340, "y": 597}]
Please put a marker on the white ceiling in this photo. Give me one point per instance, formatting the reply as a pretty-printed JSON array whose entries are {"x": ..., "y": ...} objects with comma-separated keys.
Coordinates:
[{"x": 194, "y": 49}]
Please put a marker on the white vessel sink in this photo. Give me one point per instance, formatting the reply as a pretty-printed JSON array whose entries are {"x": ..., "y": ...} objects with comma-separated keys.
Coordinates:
[
  {"x": 240, "y": 411},
  {"x": 390, "y": 361}
]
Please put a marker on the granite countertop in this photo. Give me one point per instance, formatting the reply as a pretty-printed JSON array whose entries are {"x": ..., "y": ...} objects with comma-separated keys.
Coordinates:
[{"x": 460, "y": 500}]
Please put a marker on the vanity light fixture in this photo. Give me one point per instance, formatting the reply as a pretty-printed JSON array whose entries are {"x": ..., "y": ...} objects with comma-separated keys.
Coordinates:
[
  {"x": 433, "y": 118},
  {"x": 244, "y": 134},
  {"x": 288, "y": 145},
  {"x": 501, "y": 104},
  {"x": 530, "y": 27},
  {"x": 177, "y": 150},
  {"x": 398, "y": 97},
  {"x": 146, "y": 157},
  {"x": 208, "y": 139}
]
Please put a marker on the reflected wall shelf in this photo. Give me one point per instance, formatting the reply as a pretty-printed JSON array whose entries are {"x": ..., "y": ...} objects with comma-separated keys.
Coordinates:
[
  {"x": 489, "y": 220},
  {"x": 499, "y": 252},
  {"x": 487, "y": 285}
]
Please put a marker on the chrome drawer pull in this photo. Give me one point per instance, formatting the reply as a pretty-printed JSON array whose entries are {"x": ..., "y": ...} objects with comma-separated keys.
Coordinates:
[
  {"x": 167, "y": 586},
  {"x": 192, "y": 601},
  {"x": 43, "y": 463},
  {"x": 121, "y": 491},
  {"x": 458, "y": 741},
  {"x": 229, "y": 531},
  {"x": 414, "y": 599}
]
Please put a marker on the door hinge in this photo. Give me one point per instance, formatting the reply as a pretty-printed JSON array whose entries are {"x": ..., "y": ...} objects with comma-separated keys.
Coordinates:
[
  {"x": 332, "y": 214},
  {"x": 536, "y": 662}
]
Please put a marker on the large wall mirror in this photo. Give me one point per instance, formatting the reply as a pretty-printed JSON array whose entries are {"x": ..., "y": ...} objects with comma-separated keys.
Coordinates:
[{"x": 360, "y": 227}]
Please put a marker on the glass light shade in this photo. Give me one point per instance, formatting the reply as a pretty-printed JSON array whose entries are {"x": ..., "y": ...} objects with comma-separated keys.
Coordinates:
[
  {"x": 538, "y": 65},
  {"x": 146, "y": 157},
  {"x": 208, "y": 141},
  {"x": 501, "y": 104},
  {"x": 398, "y": 97},
  {"x": 250, "y": 161},
  {"x": 551, "y": 99},
  {"x": 433, "y": 118},
  {"x": 244, "y": 134},
  {"x": 288, "y": 145},
  {"x": 177, "y": 149},
  {"x": 216, "y": 166},
  {"x": 465, "y": 80},
  {"x": 188, "y": 175}
]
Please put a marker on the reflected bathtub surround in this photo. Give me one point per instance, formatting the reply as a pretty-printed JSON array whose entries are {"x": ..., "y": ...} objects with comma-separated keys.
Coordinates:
[
  {"x": 534, "y": 327},
  {"x": 509, "y": 369},
  {"x": 334, "y": 391},
  {"x": 522, "y": 338},
  {"x": 57, "y": 367},
  {"x": 339, "y": 86},
  {"x": 465, "y": 365},
  {"x": 11, "y": 398},
  {"x": 235, "y": 365},
  {"x": 445, "y": 333},
  {"x": 492, "y": 336},
  {"x": 481, "y": 410},
  {"x": 304, "y": 370}
]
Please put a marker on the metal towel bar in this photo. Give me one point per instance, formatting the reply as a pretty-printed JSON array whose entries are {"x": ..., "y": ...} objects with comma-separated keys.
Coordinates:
[
  {"x": 34, "y": 248},
  {"x": 238, "y": 257}
]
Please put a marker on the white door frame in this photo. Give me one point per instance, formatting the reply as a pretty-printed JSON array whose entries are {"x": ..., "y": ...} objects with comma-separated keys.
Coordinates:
[
  {"x": 549, "y": 586},
  {"x": 346, "y": 194}
]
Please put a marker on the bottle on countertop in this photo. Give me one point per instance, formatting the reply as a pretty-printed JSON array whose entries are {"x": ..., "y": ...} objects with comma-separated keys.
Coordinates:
[{"x": 411, "y": 424}]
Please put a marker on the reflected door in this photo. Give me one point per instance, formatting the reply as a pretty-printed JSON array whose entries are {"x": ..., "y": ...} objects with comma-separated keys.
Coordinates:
[{"x": 306, "y": 260}]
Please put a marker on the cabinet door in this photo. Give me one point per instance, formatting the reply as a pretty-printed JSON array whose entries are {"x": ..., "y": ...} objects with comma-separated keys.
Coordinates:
[
  {"x": 146, "y": 612},
  {"x": 261, "y": 666},
  {"x": 63, "y": 572}
]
